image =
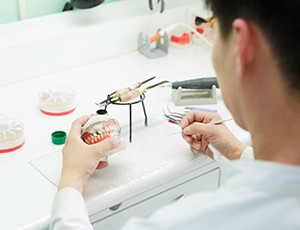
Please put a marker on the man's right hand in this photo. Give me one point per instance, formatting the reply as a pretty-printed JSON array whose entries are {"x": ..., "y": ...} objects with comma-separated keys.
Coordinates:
[{"x": 199, "y": 134}]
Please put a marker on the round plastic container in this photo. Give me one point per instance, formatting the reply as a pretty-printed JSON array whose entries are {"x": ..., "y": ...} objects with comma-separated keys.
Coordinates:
[
  {"x": 100, "y": 127},
  {"x": 11, "y": 134},
  {"x": 57, "y": 101}
]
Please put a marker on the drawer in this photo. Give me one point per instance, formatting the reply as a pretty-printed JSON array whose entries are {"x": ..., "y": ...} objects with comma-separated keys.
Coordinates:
[{"x": 115, "y": 216}]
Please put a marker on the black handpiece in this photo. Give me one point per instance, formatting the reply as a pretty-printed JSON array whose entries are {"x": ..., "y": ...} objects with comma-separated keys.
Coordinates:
[{"x": 198, "y": 83}]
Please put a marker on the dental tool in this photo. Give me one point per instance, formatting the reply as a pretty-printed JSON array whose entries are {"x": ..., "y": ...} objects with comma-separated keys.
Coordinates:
[
  {"x": 217, "y": 122},
  {"x": 129, "y": 93},
  {"x": 197, "y": 83},
  {"x": 124, "y": 94},
  {"x": 197, "y": 91},
  {"x": 191, "y": 108}
]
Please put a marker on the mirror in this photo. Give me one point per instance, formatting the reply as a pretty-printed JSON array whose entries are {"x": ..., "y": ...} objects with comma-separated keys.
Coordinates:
[
  {"x": 12, "y": 11},
  {"x": 85, "y": 4},
  {"x": 18, "y": 10}
]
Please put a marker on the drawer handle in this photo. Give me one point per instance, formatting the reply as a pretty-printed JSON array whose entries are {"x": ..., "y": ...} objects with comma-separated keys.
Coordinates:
[
  {"x": 115, "y": 207},
  {"x": 181, "y": 197}
]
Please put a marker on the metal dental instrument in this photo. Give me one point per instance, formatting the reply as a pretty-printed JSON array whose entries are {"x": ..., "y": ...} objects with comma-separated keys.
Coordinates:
[
  {"x": 152, "y": 86},
  {"x": 129, "y": 93},
  {"x": 197, "y": 83},
  {"x": 117, "y": 95},
  {"x": 217, "y": 122},
  {"x": 175, "y": 114},
  {"x": 171, "y": 118}
]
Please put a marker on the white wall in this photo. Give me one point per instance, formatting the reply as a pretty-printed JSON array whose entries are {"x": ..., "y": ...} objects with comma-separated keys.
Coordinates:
[{"x": 36, "y": 47}]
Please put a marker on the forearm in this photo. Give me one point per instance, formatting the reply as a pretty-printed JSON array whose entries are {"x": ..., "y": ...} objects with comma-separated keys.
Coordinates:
[{"x": 71, "y": 180}]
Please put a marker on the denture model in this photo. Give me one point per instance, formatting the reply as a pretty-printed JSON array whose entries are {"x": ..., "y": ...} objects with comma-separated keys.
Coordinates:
[{"x": 100, "y": 127}]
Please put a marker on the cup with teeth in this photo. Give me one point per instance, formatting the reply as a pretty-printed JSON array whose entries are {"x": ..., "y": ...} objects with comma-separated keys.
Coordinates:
[{"x": 100, "y": 127}]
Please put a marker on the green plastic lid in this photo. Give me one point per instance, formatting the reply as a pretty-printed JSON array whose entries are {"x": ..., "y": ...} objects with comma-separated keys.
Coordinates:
[{"x": 59, "y": 137}]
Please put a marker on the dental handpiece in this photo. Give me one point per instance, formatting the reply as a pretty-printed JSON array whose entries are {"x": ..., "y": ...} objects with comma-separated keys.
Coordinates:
[{"x": 197, "y": 83}]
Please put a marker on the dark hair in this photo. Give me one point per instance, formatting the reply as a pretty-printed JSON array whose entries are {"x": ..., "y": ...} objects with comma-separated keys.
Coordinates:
[{"x": 278, "y": 19}]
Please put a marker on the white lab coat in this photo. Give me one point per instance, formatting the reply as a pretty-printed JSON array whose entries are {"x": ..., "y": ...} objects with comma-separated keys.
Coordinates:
[{"x": 255, "y": 195}]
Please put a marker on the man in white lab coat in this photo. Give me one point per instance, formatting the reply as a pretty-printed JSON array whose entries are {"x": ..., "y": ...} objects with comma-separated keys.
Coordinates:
[{"x": 256, "y": 57}]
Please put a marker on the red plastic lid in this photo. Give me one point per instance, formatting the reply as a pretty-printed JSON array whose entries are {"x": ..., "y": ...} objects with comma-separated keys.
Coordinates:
[{"x": 182, "y": 40}]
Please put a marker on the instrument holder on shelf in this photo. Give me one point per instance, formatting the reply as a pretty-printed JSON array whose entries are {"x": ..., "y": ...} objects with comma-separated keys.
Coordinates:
[
  {"x": 161, "y": 46},
  {"x": 182, "y": 96}
]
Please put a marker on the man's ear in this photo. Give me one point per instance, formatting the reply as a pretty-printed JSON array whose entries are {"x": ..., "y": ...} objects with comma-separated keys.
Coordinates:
[{"x": 244, "y": 44}]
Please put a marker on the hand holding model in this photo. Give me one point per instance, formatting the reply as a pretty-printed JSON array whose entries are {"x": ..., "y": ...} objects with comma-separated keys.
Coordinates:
[
  {"x": 80, "y": 160},
  {"x": 198, "y": 133}
]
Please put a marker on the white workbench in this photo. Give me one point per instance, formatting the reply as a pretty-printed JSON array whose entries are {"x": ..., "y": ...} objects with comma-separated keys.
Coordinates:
[{"x": 155, "y": 168}]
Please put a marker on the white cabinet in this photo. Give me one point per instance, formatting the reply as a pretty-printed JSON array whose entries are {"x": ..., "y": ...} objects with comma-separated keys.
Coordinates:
[{"x": 141, "y": 205}]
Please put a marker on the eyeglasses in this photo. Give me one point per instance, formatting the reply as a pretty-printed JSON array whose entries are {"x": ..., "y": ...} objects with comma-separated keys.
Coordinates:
[{"x": 212, "y": 21}]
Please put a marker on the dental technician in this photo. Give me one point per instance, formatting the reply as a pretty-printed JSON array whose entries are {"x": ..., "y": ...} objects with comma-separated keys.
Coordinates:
[{"x": 256, "y": 57}]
